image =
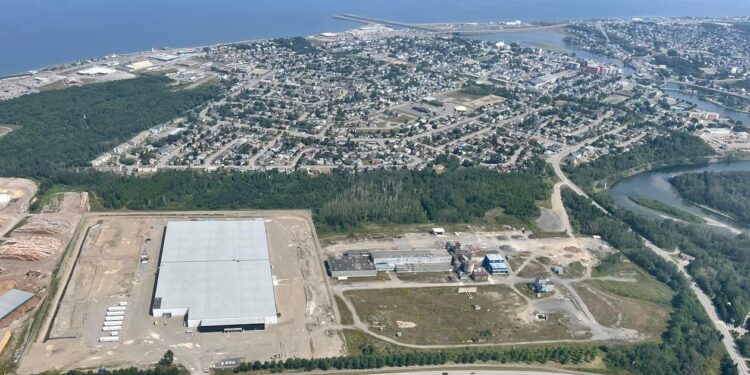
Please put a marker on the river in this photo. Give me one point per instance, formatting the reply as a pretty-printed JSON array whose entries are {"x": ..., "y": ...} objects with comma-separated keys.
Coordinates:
[
  {"x": 39, "y": 33},
  {"x": 654, "y": 185},
  {"x": 555, "y": 41},
  {"x": 674, "y": 91}
]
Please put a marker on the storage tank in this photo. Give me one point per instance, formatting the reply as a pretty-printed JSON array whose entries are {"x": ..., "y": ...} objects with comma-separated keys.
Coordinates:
[
  {"x": 113, "y": 323},
  {"x": 114, "y": 318},
  {"x": 117, "y": 308},
  {"x": 115, "y": 313},
  {"x": 109, "y": 339},
  {"x": 111, "y": 328}
]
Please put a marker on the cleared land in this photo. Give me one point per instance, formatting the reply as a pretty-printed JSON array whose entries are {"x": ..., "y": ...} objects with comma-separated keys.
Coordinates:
[
  {"x": 31, "y": 248},
  {"x": 626, "y": 296},
  {"x": 425, "y": 310},
  {"x": 5, "y": 130},
  {"x": 108, "y": 271},
  {"x": 443, "y": 316}
]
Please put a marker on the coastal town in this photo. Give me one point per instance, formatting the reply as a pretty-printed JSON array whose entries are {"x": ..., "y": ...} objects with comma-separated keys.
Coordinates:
[
  {"x": 396, "y": 194},
  {"x": 410, "y": 97}
]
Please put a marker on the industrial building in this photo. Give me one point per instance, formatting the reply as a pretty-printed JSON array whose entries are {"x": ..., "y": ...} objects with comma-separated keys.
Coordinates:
[
  {"x": 424, "y": 267},
  {"x": 495, "y": 263},
  {"x": 12, "y": 300},
  {"x": 391, "y": 260},
  {"x": 217, "y": 274},
  {"x": 351, "y": 266},
  {"x": 542, "y": 285}
]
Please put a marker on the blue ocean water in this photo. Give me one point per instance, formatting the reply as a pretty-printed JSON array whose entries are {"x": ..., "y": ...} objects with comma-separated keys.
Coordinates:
[{"x": 39, "y": 33}]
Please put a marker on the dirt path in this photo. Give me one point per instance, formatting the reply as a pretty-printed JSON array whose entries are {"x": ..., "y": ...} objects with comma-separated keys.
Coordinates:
[{"x": 555, "y": 219}]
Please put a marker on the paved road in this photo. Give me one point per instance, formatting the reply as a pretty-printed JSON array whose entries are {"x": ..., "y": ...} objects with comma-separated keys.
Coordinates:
[
  {"x": 704, "y": 300},
  {"x": 707, "y": 304},
  {"x": 470, "y": 371},
  {"x": 467, "y": 369}
]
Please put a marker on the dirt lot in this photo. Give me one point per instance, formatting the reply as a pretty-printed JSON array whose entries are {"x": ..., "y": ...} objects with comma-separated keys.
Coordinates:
[
  {"x": 31, "y": 249},
  {"x": 430, "y": 316},
  {"x": 108, "y": 271},
  {"x": 560, "y": 250},
  {"x": 22, "y": 191}
]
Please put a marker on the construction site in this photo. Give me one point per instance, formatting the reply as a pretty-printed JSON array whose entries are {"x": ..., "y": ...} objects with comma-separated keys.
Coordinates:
[
  {"x": 32, "y": 245},
  {"x": 107, "y": 312}
]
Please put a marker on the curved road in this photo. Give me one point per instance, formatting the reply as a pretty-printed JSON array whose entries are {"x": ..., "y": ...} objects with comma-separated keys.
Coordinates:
[{"x": 704, "y": 300}]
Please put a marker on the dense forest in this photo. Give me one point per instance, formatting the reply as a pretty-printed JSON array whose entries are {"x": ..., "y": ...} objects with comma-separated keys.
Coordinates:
[
  {"x": 340, "y": 200},
  {"x": 725, "y": 191},
  {"x": 60, "y": 129},
  {"x": 722, "y": 260},
  {"x": 722, "y": 265},
  {"x": 690, "y": 345},
  {"x": 676, "y": 148}
]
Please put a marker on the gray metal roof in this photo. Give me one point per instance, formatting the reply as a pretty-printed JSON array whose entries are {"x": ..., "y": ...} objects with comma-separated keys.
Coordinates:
[
  {"x": 11, "y": 300},
  {"x": 196, "y": 241},
  {"x": 219, "y": 270},
  {"x": 350, "y": 263},
  {"x": 425, "y": 253},
  {"x": 219, "y": 293}
]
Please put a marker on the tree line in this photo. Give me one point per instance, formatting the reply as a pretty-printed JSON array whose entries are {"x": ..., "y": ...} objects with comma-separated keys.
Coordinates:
[
  {"x": 370, "y": 359},
  {"x": 722, "y": 264},
  {"x": 340, "y": 200},
  {"x": 675, "y": 148},
  {"x": 690, "y": 344},
  {"x": 724, "y": 191}
]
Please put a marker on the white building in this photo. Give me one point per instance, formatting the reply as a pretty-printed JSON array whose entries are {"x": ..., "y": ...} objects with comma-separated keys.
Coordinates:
[{"x": 217, "y": 274}]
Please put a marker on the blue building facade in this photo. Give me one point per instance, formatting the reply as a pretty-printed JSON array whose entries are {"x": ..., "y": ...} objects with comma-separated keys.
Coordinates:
[{"x": 495, "y": 263}]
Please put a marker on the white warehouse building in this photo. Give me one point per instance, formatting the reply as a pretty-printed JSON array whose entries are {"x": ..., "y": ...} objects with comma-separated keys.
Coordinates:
[{"x": 217, "y": 274}]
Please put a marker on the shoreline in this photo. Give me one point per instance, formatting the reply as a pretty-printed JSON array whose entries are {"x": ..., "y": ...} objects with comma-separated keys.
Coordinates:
[{"x": 534, "y": 28}]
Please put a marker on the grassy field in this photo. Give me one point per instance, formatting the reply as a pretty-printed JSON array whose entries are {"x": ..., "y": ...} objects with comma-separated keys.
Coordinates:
[
  {"x": 574, "y": 270},
  {"x": 442, "y": 316},
  {"x": 516, "y": 261},
  {"x": 618, "y": 266},
  {"x": 346, "y": 314},
  {"x": 605, "y": 313},
  {"x": 611, "y": 310},
  {"x": 533, "y": 269},
  {"x": 423, "y": 277},
  {"x": 645, "y": 289},
  {"x": 51, "y": 198}
]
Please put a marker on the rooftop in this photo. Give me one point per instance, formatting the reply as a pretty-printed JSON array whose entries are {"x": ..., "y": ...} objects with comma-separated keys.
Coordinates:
[
  {"x": 409, "y": 253},
  {"x": 350, "y": 263},
  {"x": 495, "y": 258},
  {"x": 11, "y": 300},
  {"x": 219, "y": 271}
]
